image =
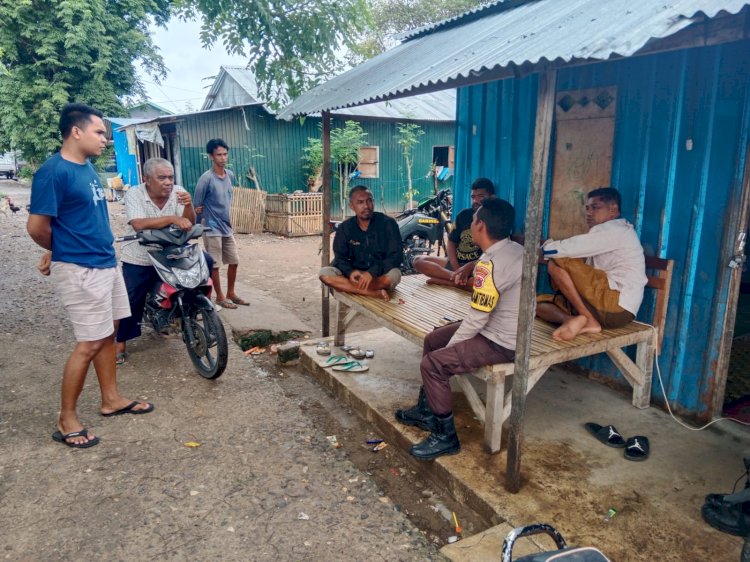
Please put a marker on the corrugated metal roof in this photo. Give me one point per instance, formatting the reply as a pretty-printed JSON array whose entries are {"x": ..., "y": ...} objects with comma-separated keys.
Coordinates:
[
  {"x": 245, "y": 80},
  {"x": 438, "y": 106},
  {"x": 124, "y": 121},
  {"x": 435, "y": 106},
  {"x": 506, "y": 35},
  {"x": 176, "y": 116}
]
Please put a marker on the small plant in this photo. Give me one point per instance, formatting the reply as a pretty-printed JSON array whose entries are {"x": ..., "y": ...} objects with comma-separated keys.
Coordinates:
[
  {"x": 345, "y": 144},
  {"x": 408, "y": 137}
]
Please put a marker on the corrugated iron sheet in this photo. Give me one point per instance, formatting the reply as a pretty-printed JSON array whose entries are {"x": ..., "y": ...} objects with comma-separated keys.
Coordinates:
[
  {"x": 498, "y": 37},
  {"x": 437, "y": 106},
  {"x": 244, "y": 78},
  {"x": 683, "y": 197},
  {"x": 275, "y": 149}
]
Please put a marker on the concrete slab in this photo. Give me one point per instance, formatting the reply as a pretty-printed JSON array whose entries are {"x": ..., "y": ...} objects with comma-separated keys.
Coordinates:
[
  {"x": 264, "y": 313},
  {"x": 569, "y": 479}
]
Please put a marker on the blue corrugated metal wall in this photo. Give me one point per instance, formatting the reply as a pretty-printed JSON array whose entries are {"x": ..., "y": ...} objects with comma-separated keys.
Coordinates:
[
  {"x": 683, "y": 202},
  {"x": 275, "y": 149},
  {"x": 126, "y": 164}
]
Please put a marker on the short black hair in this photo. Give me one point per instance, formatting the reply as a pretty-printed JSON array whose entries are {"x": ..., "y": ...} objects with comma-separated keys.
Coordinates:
[
  {"x": 484, "y": 183},
  {"x": 213, "y": 144},
  {"x": 357, "y": 188},
  {"x": 76, "y": 115},
  {"x": 499, "y": 217},
  {"x": 607, "y": 195}
]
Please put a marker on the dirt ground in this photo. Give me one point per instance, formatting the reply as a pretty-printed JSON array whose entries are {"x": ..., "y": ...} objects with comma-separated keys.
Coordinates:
[{"x": 264, "y": 484}]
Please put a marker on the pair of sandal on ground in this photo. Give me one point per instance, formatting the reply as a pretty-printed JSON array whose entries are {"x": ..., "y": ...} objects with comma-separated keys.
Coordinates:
[
  {"x": 61, "y": 437},
  {"x": 349, "y": 364},
  {"x": 637, "y": 448},
  {"x": 343, "y": 363}
]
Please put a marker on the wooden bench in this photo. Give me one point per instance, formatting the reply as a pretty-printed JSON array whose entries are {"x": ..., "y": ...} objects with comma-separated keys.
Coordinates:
[{"x": 417, "y": 308}]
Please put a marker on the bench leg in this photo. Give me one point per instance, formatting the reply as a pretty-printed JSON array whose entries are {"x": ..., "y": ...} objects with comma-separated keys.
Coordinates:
[
  {"x": 644, "y": 359},
  {"x": 471, "y": 395},
  {"x": 339, "y": 328},
  {"x": 493, "y": 420}
]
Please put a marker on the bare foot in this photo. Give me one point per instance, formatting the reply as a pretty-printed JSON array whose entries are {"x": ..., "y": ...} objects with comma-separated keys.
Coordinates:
[
  {"x": 383, "y": 294},
  {"x": 123, "y": 402},
  {"x": 576, "y": 325},
  {"x": 74, "y": 427}
]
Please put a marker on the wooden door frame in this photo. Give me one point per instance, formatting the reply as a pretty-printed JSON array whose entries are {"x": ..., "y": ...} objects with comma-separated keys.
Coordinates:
[{"x": 732, "y": 236}]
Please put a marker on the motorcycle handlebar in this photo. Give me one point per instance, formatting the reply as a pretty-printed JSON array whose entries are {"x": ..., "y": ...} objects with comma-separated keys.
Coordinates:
[
  {"x": 127, "y": 238},
  {"x": 171, "y": 227}
]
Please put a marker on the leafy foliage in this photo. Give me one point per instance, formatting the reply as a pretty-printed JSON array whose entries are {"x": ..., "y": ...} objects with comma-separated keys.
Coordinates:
[
  {"x": 56, "y": 51},
  {"x": 391, "y": 17},
  {"x": 345, "y": 144},
  {"x": 408, "y": 137},
  {"x": 291, "y": 45}
]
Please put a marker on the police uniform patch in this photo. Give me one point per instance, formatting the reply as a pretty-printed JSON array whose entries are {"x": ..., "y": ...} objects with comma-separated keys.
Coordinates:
[{"x": 485, "y": 295}]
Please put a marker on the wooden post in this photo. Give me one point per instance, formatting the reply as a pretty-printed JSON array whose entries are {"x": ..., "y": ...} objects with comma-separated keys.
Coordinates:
[
  {"x": 533, "y": 233},
  {"x": 325, "y": 258}
]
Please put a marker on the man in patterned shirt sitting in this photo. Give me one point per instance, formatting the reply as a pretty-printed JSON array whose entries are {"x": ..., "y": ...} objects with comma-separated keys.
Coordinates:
[{"x": 157, "y": 203}]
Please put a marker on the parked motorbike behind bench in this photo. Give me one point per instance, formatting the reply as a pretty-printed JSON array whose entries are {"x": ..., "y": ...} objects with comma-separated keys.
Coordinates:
[
  {"x": 182, "y": 298},
  {"x": 424, "y": 226}
]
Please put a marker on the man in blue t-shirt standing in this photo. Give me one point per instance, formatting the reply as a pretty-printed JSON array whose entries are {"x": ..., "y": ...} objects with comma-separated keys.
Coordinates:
[
  {"x": 69, "y": 217},
  {"x": 213, "y": 202}
]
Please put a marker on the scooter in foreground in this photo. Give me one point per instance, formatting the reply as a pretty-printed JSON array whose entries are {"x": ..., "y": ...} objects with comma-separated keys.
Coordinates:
[
  {"x": 182, "y": 299},
  {"x": 564, "y": 553}
]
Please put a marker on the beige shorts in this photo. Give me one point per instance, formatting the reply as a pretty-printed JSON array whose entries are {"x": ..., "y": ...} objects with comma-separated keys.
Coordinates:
[
  {"x": 394, "y": 275},
  {"x": 93, "y": 298},
  {"x": 593, "y": 287},
  {"x": 222, "y": 249}
]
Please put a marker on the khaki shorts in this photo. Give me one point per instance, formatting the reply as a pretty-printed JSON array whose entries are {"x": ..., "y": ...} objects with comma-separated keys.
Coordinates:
[
  {"x": 222, "y": 249},
  {"x": 593, "y": 286},
  {"x": 394, "y": 275},
  {"x": 93, "y": 298}
]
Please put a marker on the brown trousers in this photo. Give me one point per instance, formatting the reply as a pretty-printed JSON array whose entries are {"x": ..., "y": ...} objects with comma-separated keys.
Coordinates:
[{"x": 440, "y": 363}]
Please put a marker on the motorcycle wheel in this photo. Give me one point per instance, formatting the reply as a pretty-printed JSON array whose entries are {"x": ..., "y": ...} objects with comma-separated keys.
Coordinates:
[
  {"x": 210, "y": 352},
  {"x": 413, "y": 246}
]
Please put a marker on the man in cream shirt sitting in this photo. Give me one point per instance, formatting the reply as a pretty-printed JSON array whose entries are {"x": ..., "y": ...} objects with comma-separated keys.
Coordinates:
[{"x": 606, "y": 289}]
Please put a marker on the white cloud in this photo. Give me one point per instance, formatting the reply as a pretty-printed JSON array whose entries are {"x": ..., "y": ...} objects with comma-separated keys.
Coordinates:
[{"x": 188, "y": 64}]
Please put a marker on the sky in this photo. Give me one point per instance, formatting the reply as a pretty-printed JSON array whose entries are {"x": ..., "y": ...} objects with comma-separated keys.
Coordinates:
[{"x": 188, "y": 63}]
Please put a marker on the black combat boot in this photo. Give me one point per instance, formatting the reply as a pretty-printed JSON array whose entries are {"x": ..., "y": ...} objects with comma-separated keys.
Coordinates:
[
  {"x": 419, "y": 415},
  {"x": 442, "y": 441}
]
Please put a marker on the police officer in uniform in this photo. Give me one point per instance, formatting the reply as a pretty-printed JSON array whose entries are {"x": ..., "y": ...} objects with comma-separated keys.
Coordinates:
[{"x": 485, "y": 337}]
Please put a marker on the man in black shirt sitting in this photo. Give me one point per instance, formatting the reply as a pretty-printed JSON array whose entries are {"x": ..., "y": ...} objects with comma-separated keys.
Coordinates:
[
  {"x": 367, "y": 250},
  {"x": 458, "y": 268}
]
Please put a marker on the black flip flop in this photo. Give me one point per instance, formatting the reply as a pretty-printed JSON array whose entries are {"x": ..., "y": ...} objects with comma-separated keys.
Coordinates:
[
  {"x": 60, "y": 438},
  {"x": 637, "y": 448},
  {"x": 130, "y": 409},
  {"x": 606, "y": 434}
]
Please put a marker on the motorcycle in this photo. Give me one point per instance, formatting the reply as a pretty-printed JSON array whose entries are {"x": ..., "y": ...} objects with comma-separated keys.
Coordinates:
[
  {"x": 424, "y": 226},
  {"x": 182, "y": 297},
  {"x": 420, "y": 228}
]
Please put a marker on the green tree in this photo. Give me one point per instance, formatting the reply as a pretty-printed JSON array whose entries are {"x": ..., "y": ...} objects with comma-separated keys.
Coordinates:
[
  {"x": 388, "y": 18},
  {"x": 291, "y": 45},
  {"x": 345, "y": 144},
  {"x": 56, "y": 51},
  {"x": 408, "y": 137}
]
